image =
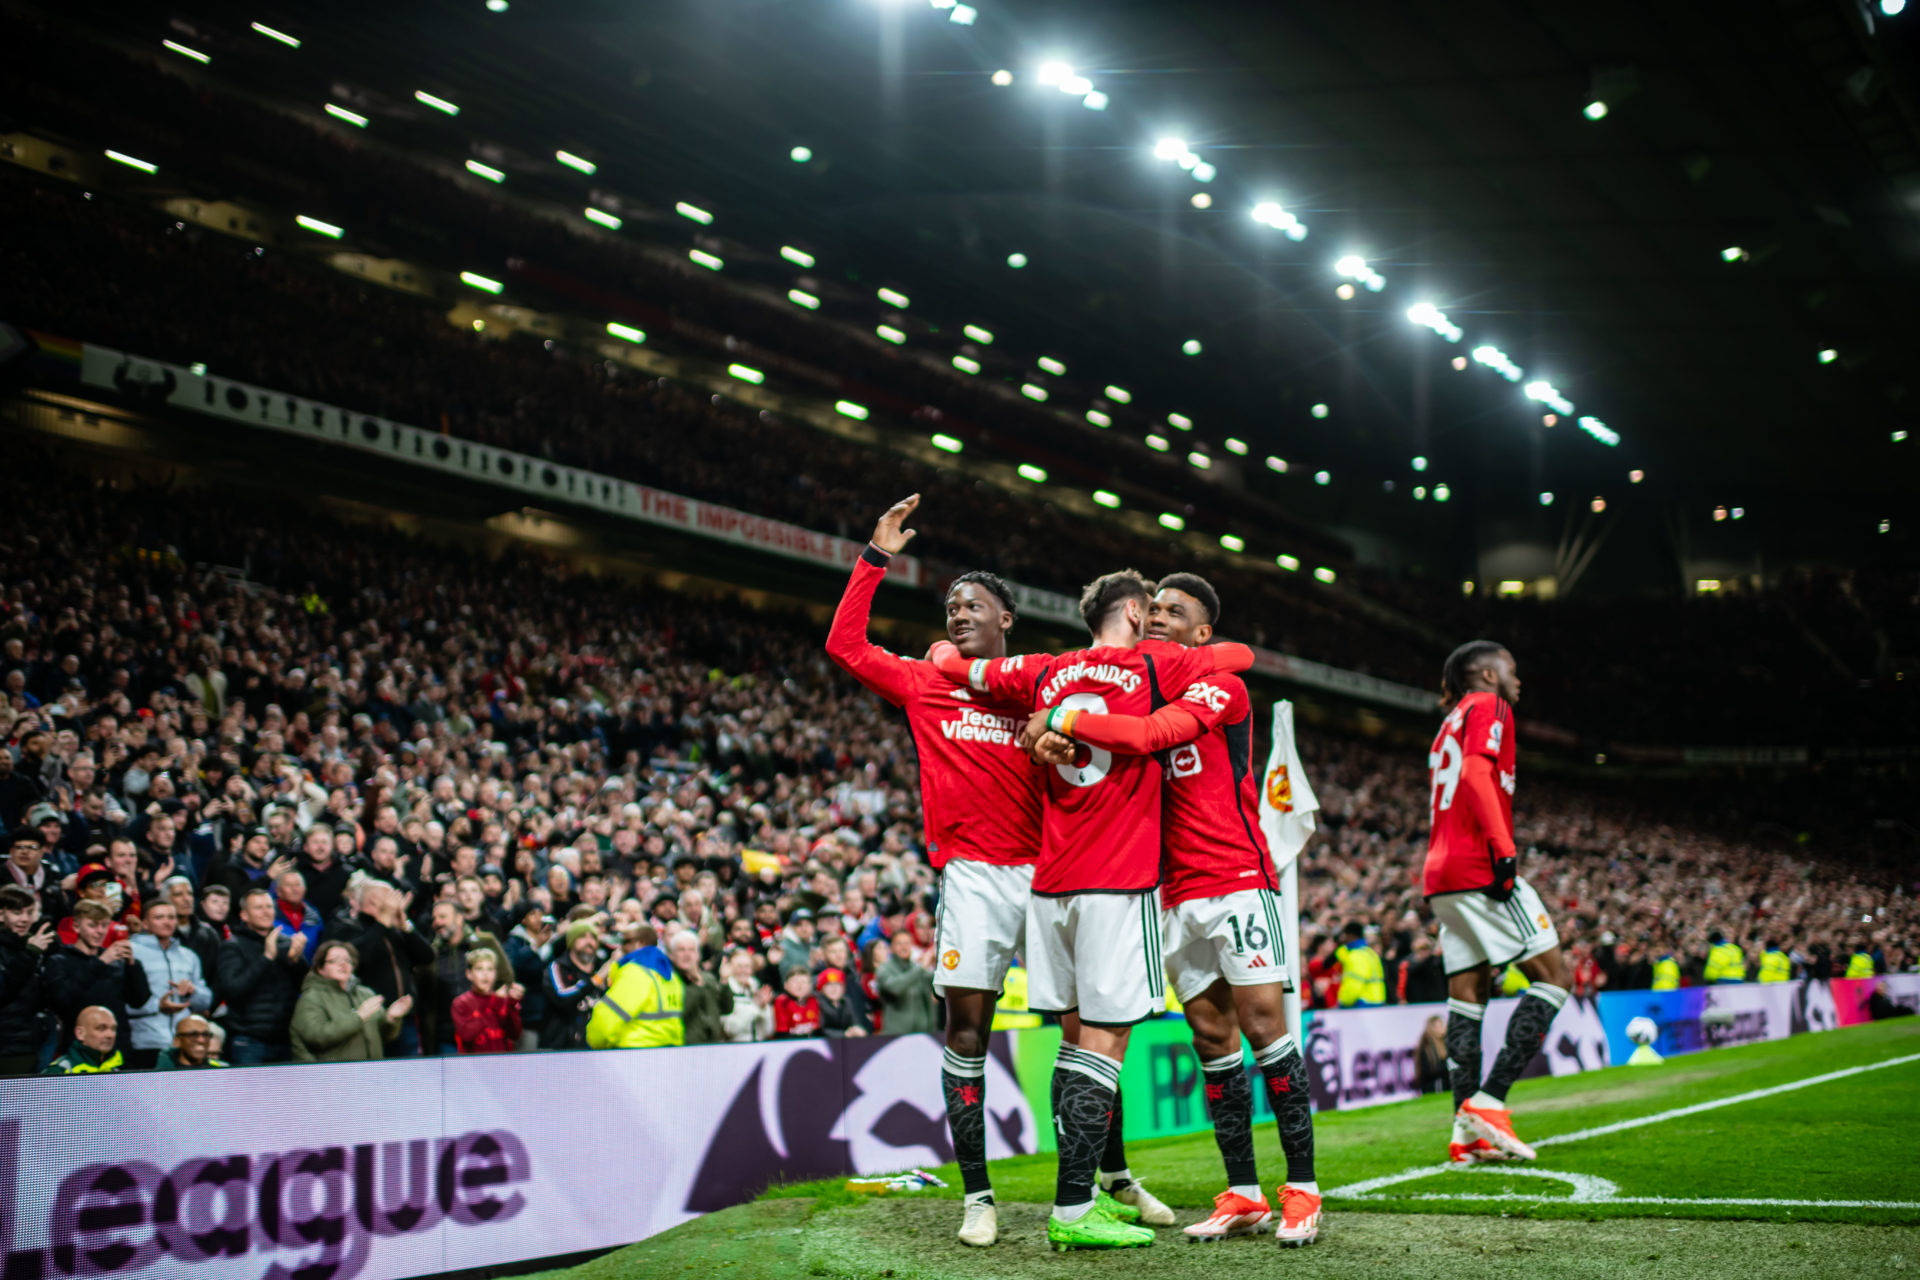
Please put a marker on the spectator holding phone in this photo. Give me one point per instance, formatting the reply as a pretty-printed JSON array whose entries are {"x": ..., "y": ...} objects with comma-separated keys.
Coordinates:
[
  {"x": 94, "y": 972},
  {"x": 24, "y": 940},
  {"x": 177, "y": 986}
]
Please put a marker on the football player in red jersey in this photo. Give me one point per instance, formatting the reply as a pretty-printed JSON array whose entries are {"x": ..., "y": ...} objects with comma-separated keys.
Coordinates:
[
  {"x": 1489, "y": 917},
  {"x": 1221, "y": 917},
  {"x": 1093, "y": 922},
  {"x": 980, "y": 798}
]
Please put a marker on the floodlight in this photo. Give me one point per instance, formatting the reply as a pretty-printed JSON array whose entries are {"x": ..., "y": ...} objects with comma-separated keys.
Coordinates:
[
  {"x": 1236, "y": 446},
  {"x": 1204, "y": 172},
  {"x": 1054, "y": 73},
  {"x": 1157, "y": 442},
  {"x": 610, "y": 221},
  {"x": 978, "y": 334},
  {"x": 437, "y": 103},
  {"x": 133, "y": 162},
  {"x": 1201, "y": 200},
  {"x": 1323, "y": 477},
  {"x": 1441, "y": 493},
  {"x": 1829, "y": 355},
  {"x": 323, "y": 228},
  {"x": 1034, "y": 392},
  {"x": 578, "y": 164},
  {"x": 1597, "y": 505},
  {"x": 1276, "y": 464},
  {"x": 1016, "y": 260},
  {"x": 1030, "y": 472},
  {"x": 1078, "y": 86},
  {"x": 1051, "y": 365},
  {"x": 1320, "y": 411},
  {"x": 628, "y": 332},
  {"x": 1290, "y": 563},
  {"x": 847, "y": 408},
  {"x": 1419, "y": 464},
  {"x": 486, "y": 171},
  {"x": 185, "y": 52},
  {"x": 947, "y": 443},
  {"x": 705, "y": 259},
  {"x": 1546, "y": 499},
  {"x": 964, "y": 365},
  {"x": 693, "y": 211},
  {"x": 1180, "y": 420},
  {"x": 1095, "y": 101},
  {"x": 801, "y": 298},
  {"x": 963, "y": 15},
  {"x": 1191, "y": 346},
  {"x": 1098, "y": 418},
  {"x": 1003, "y": 77},
  {"x": 1200, "y": 460},
  {"x": 1105, "y": 498},
  {"x": 1232, "y": 543},
  {"x": 800, "y": 155},
  {"x": 1324, "y": 574},
  {"x": 1168, "y": 520},
  {"x": 1119, "y": 395},
  {"x": 894, "y": 298},
  {"x": 1169, "y": 149},
  {"x": 1595, "y": 110},
  {"x": 353, "y": 118},
  {"x": 481, "y": 282},
  {"x": 271, "y": 34},
  {"x": 891, "y": 334},
  {"x": 798, "y": 257}
]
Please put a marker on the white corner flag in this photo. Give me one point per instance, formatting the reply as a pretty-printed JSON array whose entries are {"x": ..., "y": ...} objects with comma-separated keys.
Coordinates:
[{"x": 1287, "y": 806}]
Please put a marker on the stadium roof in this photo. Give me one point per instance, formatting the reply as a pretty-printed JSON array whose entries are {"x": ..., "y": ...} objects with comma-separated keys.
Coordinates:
[{"x": 1677, "y": 269}]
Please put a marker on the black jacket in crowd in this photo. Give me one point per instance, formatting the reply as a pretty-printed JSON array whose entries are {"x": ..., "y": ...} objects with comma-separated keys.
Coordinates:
[
  {"x": 259, "y": 992},
  {"x": 388, "y": 957},
  {"x": 23, "y": 1020},
  {"x": 570, "y": 996},
  {"x": 72, "y": 980}
]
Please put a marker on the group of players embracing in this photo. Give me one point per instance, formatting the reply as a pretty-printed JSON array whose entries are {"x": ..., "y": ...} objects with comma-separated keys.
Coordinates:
[{"x": 1095, "y": 813}]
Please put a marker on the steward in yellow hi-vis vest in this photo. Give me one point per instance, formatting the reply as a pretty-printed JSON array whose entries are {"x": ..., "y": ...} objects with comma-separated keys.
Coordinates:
[
  {"x": 642, "y": 1007},
  {"x": 1666, "y": 974},
  {"x": 1363, "y": 979},
  {"x": 1860, "y": 965},
  {"x": 1775, "y": 964},
  {"x": 1726, "y": 962}
]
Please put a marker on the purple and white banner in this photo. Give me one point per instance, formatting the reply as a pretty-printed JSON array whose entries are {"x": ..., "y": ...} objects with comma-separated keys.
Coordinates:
[{"x": 384, "y": 1170}]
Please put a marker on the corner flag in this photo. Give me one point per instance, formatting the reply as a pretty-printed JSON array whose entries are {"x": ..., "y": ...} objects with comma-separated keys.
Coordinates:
[
  {"x": 1287, "y": 806},
  {"x": 1287, "y": 802}
]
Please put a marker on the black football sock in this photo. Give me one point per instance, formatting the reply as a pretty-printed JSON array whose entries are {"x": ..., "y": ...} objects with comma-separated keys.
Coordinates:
[
  {"x": 1230, "y": 1103},
  {"x": 1084, "y": 1085},
  {"x": 1114, "y": 1173},
  {"x": 1286, "y": 1074},
  {"x": 964, "y": 1082},
  {"x": 1463, "y": 1048},
  {"x": 1525, "y": 1034}
]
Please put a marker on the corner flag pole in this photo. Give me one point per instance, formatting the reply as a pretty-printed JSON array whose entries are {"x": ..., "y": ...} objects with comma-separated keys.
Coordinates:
[{"x": 1287, "y": 806}]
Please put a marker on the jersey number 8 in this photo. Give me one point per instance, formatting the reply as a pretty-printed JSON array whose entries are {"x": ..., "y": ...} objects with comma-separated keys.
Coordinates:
[{"x": 1099, "y": 759}]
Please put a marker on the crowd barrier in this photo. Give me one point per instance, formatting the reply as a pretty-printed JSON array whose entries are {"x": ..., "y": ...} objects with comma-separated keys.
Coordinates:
[{"x": 396, "y": 1169}]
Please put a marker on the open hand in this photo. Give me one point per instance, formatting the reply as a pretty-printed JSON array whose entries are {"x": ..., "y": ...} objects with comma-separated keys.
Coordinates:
[
  {"x": 400, "y": 1008},
  {"x": 887, "y": 533}
]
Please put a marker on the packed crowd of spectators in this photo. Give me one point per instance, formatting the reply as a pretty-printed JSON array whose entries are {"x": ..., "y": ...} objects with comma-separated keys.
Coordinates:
[{"x": 380, "y": 798}]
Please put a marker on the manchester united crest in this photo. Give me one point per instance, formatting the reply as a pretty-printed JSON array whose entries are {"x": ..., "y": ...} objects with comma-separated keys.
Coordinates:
[
  {"x": 951, "y": 959},
  {"x": 1280, "y": 790}
]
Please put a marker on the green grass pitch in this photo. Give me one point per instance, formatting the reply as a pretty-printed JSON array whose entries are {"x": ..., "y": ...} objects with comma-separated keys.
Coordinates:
[{"x": 1703, "y": 1166}]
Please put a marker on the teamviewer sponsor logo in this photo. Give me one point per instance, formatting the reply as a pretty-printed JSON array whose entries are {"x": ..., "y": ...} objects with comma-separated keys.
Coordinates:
[{"x": 309, "y": 1214}]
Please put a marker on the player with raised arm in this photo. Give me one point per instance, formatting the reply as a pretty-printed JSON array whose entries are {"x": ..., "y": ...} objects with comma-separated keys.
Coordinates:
[
  {"x": 1489, "y": 917},
  {"x": 1093, "y": 924},
  {"x": 980, "y": 797},
  {"x": 1221, "y": 917}
]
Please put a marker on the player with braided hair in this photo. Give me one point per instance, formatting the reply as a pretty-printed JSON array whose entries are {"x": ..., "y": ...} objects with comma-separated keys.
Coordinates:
[{"x": 1489, "y": 916}]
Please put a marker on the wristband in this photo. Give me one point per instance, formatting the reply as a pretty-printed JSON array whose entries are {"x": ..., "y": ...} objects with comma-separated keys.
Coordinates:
[
  {"x": 977, "y": 674},
  {"x": 1061, "y": 719}
]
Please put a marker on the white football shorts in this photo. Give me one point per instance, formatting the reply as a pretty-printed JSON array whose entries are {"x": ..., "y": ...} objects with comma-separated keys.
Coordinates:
[
  {"x": 982, "y": 926},
  {"x": 1235, "y": 936},
  {"x": 1098, "y": 955},
  {"x": 1476, "y": 930}
]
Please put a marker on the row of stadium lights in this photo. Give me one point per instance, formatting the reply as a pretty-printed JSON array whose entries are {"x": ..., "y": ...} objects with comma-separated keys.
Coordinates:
[
  {"x": 1032, "y": 390},
  {"x": 1352, "y": 268}
]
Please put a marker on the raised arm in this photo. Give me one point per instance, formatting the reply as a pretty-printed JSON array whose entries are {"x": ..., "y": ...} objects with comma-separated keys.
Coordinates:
[{"x": 887, "y": 674}]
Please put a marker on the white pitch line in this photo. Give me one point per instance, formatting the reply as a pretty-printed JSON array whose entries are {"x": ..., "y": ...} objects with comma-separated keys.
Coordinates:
[
  {"x": 1791, "y": 1204},
  {"x": 1750, "y": 1096},
  {"x": 1363, "y": 1188}
]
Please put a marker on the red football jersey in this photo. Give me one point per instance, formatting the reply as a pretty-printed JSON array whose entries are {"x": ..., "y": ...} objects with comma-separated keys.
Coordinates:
[
  {"x": 1459, "y": 851},
  {"x": 1210, "y": 816},
  {"x": 1101, "y": 831},
  {"x": 979, "y": 793}
]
